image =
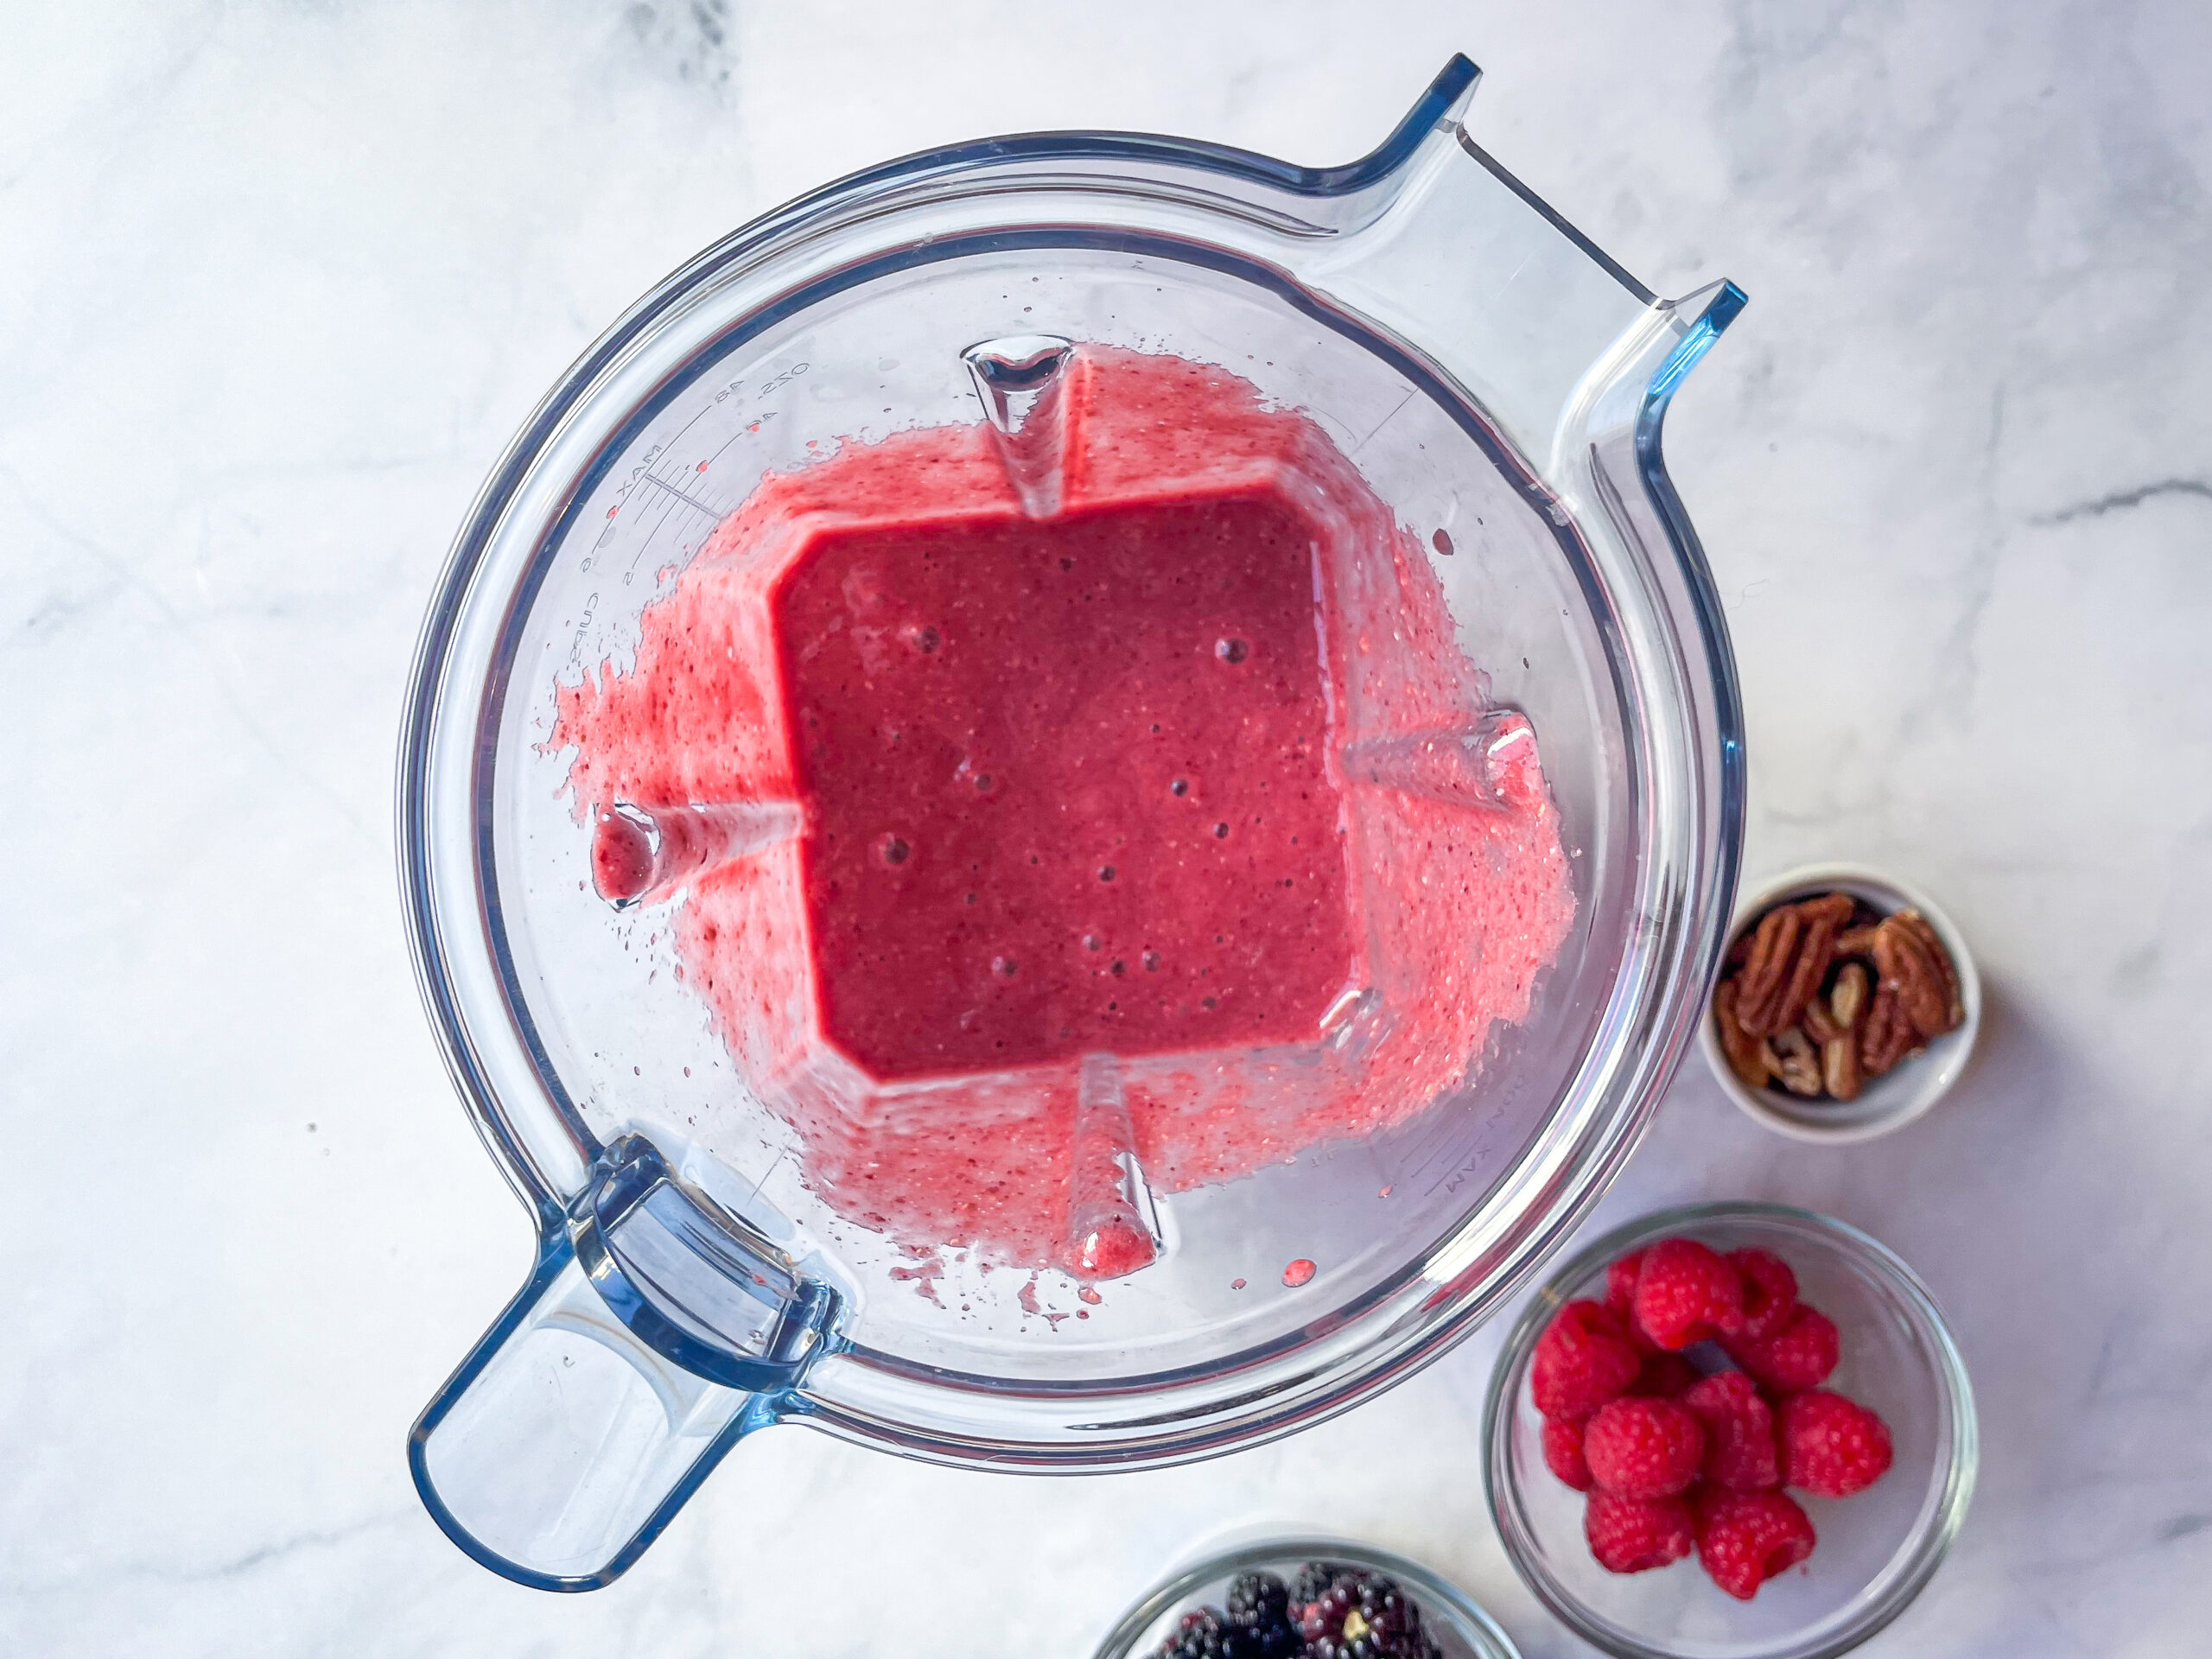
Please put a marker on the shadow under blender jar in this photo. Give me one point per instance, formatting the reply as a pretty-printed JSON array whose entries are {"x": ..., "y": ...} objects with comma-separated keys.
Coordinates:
[{"x": 1498, "y": 385}]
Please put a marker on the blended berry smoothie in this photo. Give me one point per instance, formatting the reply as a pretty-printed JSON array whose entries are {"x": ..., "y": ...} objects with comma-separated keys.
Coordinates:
[{"x": 1180, "y": 797}]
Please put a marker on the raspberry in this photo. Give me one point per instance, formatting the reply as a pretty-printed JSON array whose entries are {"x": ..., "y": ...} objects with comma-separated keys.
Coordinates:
[
  {"x": 1583, "y": 1359},
  {"x": 1832, "y": 1446},
  {"x": 1769, "y": 1291},
  {"x": 1739, "y": 1450},
  {"x": 1800, "y": 1356},
  {"x": 1620, "y": 1285},
  {"x": 1563, "y": 1452},
  {"x": 1687, "y": 1293},
  {"x": 1667, "y": 1376},
  {"x": 1634, "y": 1535},
  {"x": 1639, "y": 1448},
  {"x": 1745, "y": 1538}
]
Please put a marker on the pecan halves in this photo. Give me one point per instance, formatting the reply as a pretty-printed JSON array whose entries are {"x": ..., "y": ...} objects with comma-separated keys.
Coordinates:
[
  {"x": 1765, "y": 978},
  {"x": 1907, "y": 965},
  {"x": 1838, "y": 1013},
  {"x": 1955, "y": 1007},
  {"x": 1816, "y": 949},
  {"x": 1800, "y": 1066},
  {"x": 1819, "y": 1000},
  {"x": 1856, "y": 941},
  {"x": 1888, "y": 1036},
  {"x": 1840, "y": 1068},
  {"x": 1790, "y": 957},
  {"x": 1847, "y": 1002},
  {"x": 1832, "y": 1021},
  {"x": 1752, "y": 1059}
]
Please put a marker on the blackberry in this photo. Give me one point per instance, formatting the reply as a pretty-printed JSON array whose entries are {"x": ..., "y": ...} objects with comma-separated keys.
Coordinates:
[
  {"x": 1310, "y": 1580},
  {"x": 1258, "y": 1625},
  {"x": 1202, "y": 1635},
  {"x": 1258, "y": 1598},
  {"x": 1363, "y": 1616},
  {"x": 1259, "y": 1618}
]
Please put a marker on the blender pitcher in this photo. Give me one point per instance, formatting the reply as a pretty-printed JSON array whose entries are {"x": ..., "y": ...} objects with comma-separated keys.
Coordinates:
[{"x": 1479, "y": 370}]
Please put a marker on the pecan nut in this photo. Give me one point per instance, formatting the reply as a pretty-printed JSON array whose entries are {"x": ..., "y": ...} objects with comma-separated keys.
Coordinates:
[
  {"x": 1908, "y": 967},
  {"x": 1955, "y": 1010},
  {"x": 1800, "y": 1066},
  {"x": 1887, "y": 1035},
  {"x": 1837, "y": 1015},
  {"x": 1759, "y": 988},
  {"x": 1790, "y": 957},
  {"x": 1847, "y": 1002},
  {"x": 1750, "y": 1057},
  {"x": 1856, "y": 941},
  {"x": 1840, "y": 1069}
]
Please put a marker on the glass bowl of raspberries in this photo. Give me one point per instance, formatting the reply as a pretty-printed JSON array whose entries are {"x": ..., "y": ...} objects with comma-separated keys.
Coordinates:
[
  {"x": 1730, "y": 1430},
  {"x": 1306, "y": 1599}
]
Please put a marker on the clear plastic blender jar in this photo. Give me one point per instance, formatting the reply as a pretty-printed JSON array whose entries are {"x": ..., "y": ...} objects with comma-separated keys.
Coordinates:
[{"x": 1497, "y": 383}]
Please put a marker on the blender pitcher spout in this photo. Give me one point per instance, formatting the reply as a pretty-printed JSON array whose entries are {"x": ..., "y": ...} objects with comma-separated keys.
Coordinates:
[{"x": 655, "y": 1331}]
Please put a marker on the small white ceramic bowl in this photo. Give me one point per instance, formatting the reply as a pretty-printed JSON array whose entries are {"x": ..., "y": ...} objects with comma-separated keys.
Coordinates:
[{"x": 1889, "y": 1101}]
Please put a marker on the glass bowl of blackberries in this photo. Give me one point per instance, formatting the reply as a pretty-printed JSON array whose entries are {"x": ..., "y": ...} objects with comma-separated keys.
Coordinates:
[{"x": 1306, "y": 1599}]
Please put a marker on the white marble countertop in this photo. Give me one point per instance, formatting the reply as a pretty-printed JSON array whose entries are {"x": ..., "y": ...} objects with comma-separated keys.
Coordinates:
[{"x": 277, "y": 283}]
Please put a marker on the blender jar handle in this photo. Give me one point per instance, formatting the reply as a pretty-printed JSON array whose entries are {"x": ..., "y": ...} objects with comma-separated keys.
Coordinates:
[
  {"x": 1473, "y": 271},
  {"x": 655, "y": 1331}
]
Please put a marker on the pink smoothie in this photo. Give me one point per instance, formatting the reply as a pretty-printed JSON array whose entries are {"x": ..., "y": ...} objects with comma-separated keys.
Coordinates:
[{"x": 1187, "y": 784}]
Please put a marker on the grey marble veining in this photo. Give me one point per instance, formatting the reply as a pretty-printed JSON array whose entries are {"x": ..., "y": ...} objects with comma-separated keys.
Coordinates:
[{"x": 277, "y": 283}]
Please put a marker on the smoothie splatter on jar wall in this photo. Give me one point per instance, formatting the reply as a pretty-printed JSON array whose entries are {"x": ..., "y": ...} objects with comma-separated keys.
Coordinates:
[{"x": 1174, "y": 792}]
